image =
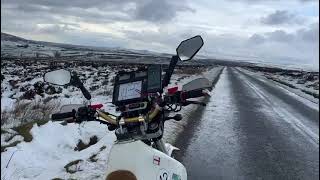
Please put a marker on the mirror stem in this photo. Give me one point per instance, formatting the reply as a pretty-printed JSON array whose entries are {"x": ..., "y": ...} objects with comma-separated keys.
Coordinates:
[
  {"x": 77, "y": 83},
  {"x": 85, "y": 92},
  {"x": 170, "y": 70}
]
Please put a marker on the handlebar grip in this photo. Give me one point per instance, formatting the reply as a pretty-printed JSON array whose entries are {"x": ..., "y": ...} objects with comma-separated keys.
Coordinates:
[
  {"x": 194, "y": 102},
  {"x": 60, "y": 116},
  {"x": 193, "y": 94}
]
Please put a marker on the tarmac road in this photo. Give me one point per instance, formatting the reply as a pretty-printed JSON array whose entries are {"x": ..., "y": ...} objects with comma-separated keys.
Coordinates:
[{"x": 251, "y": 129}]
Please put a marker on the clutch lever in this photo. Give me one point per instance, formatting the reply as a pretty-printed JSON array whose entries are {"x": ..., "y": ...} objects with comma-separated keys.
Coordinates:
[{"x": 194, "y": 102}]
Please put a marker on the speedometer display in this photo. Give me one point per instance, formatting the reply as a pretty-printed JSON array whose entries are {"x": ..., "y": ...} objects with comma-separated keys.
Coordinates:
[
  {"x": 130, "y": 90},
  {"x": 135, "y": 86}
]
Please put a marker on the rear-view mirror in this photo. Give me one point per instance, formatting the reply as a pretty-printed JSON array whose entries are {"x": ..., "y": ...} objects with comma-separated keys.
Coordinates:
[
  {"x": 189, "y": 48},
  {"x": 58, "y": 77}
]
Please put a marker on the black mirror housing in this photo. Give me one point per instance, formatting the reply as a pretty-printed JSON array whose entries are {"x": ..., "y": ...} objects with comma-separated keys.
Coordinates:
[{"x": 188, "y": 48}]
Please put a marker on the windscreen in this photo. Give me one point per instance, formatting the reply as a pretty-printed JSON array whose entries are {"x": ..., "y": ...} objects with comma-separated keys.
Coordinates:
[{"x": 130, "y": 90}]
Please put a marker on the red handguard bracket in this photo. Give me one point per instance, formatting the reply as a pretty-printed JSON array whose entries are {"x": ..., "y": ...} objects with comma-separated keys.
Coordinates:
[
  {"x": 172, "y": 90},
  {"x": 96, "y": 106}
]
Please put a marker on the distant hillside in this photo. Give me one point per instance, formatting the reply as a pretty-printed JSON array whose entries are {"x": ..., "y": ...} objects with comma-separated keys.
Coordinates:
[
  {"x": 9, "y": 37},
  {"x": 17, "y": 47},
  {"x": 13, "y": 38},
  {"x": 14, "y": 46}
]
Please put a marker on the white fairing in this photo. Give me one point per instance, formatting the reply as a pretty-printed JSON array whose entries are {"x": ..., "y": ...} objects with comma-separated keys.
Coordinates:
[{"x": 144, "y": 162}]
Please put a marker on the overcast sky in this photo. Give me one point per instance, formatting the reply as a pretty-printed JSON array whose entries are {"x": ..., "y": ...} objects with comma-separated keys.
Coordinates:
[{"x": 280, "y": 31}]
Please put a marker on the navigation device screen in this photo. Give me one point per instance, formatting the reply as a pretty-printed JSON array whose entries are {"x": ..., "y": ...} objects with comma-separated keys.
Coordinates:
[{"x": 130, "y": 90}]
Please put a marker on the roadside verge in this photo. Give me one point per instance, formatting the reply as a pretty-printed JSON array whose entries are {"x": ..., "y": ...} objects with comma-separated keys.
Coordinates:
[{"x": 285, "y": 86}]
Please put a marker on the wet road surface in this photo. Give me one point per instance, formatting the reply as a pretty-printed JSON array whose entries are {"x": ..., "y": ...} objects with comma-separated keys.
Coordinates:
[{"x": 251, "y": 129}]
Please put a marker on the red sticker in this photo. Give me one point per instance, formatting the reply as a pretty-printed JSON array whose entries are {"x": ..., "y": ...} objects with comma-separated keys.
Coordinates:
[{"x": 156, "y": 160}]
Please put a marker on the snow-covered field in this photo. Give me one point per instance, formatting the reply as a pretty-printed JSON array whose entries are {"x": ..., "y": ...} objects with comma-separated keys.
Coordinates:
[{"x": 33, "y": 148}]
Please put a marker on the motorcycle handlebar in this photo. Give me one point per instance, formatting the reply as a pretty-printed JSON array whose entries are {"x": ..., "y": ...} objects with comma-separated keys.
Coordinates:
[
  {"x": 106, "y": 117},
  {"x": 61, "y": 116},
  {"x": 194, "y": 102},
  {"x": 151, "y": 115}
]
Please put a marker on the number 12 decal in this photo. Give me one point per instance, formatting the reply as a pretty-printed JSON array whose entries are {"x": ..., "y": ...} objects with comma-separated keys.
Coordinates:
[{"x": 163, "y": 175}]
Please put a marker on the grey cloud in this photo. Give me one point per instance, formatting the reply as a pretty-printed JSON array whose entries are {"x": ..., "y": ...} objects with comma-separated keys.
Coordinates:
[
  {"x": 92, "y": 39},
  {"x": 23, "y": 17},
  {"x": 263, "y": 1},
  {"x": 160, "y": 11},
  {"x": 19, "y": 21},
  {"x": 304, "y": 35},
  {"x": 310, "y": 34},
  {"x": 101, "y": 11},
  {"x": 281, "y": 17},
  {"x": 58, "y": 3},
  {"x": 155, "y": 11},
  {"x": 300, "y": 46},
  {"x": 256, "y": 39},
  {"x": 55, "y": 28},
  {"x": 94, "y": 13},
  {"x": 280, "y": 36},
  {"x": 161, "y": 41},
  {"x": 309, "y": 0}
]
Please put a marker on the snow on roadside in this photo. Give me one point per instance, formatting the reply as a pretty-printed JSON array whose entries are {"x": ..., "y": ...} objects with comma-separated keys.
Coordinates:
[
  {"x": 297, "y": 93},
  {"x": 52, "y": 148},
  {"x": 302, "y": 80}
]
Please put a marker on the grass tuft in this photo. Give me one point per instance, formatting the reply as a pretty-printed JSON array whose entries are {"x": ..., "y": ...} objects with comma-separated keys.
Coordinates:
[
  {"x": 81, "y": 145},
  {"x": 72, "y": 167}
]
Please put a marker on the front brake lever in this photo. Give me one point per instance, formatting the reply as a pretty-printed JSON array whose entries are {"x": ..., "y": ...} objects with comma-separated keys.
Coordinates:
[
  {"x": 177, "y": 117},
  {"x": 206, "y": 92},
  {"x": 194, "y": 102}
]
